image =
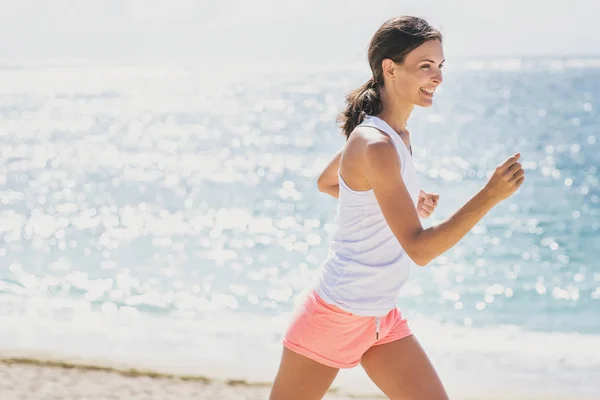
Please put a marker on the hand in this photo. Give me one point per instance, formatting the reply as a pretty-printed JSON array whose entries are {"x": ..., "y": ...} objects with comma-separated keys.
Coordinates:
[
  {"x": 427, "y": 203},
  {"x": 507, "y": 178}
]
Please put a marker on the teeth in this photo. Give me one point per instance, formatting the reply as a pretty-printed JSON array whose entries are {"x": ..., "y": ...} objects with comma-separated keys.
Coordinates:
[{"x": 428, "y": 91}]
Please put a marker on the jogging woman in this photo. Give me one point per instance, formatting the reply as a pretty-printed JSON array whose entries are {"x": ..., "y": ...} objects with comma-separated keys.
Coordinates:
[{"x": 351, "y": 317}]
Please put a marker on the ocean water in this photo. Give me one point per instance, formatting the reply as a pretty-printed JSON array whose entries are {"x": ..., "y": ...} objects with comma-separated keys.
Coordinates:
[{"x": 166, "y": 216}]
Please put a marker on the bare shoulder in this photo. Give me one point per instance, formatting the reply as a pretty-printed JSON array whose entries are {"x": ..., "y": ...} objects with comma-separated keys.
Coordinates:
[
  {"x": 375, "y": 147},
  {"x": 370, "y": 141},
  {"x": 369, "y": 159}
]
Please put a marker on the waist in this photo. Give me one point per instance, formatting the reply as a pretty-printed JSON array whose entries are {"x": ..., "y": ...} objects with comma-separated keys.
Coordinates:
[
  {"x": 369, "y": 289},
  {"x": 375, "y": 246}
]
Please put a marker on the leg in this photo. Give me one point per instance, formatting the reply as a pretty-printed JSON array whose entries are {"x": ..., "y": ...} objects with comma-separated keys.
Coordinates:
[
  {"x": 300, "y": 378},
  {"x": 402, "y": 371}
]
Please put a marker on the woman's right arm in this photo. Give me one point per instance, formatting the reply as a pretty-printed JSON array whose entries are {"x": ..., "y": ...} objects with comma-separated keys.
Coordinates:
[{"x": 381, "y": 166}]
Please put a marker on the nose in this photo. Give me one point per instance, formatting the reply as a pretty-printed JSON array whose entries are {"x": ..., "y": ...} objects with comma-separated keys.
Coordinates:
[{"x": 437, "y": 77}]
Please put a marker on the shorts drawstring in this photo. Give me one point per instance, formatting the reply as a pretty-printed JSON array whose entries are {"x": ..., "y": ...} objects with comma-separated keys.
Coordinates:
[{"x": 377, "y": 324}]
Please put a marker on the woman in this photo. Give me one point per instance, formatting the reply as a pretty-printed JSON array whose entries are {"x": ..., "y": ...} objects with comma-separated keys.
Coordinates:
[{"x": 351, "y": 317}]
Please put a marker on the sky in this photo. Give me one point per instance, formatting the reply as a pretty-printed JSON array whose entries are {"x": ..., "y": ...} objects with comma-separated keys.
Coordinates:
[{"x": 328, "y": 30}]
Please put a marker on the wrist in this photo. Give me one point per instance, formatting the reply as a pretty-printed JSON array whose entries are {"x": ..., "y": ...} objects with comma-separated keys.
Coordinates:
[{"x": 487, "y": 198}]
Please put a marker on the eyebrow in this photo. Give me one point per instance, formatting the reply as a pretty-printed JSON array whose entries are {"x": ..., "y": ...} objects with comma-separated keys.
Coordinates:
[{"x": 431, "y": 61}]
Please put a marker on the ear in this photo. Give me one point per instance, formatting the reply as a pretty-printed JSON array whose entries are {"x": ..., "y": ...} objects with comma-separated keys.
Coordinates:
[{"x": 388, "y": 68}]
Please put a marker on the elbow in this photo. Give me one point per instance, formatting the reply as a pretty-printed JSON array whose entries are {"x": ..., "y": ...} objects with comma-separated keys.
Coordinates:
[
  {"x": 421, "y": 261},
  {"x": 322, "y": 184},
  {"x": 419, "y": 255},
  {"x": 320, "y": 187}
]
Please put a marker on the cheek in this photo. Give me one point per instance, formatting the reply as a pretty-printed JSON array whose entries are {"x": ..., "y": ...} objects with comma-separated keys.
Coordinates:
[
  {"x": 412, "y": 83},
  {"x": 423, "y": 79}
]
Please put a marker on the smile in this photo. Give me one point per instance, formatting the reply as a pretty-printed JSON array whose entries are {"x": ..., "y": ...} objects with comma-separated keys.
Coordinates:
[{"x": 428, "y": 91}]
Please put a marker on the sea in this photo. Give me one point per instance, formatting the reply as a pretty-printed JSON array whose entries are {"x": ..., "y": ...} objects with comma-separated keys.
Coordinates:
[{"x": 165, "y": 216}]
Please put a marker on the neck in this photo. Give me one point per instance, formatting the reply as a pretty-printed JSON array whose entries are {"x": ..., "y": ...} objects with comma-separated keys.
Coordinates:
[{"x": 395, "y": 112}]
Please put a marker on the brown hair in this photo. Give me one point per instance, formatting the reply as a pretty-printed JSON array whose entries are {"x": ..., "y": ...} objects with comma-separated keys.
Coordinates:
[{"x": 394, "y": 40}]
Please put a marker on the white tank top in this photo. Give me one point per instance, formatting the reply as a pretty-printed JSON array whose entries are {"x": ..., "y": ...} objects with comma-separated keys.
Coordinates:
[{"x": 366, "y": 266}]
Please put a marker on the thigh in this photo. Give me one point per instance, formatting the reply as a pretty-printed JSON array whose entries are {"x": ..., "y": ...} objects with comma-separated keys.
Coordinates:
[
  {"x": 300, "y": 378},
  {"x": 329, "y": 335},
  {"x": 402, "y": 371}
]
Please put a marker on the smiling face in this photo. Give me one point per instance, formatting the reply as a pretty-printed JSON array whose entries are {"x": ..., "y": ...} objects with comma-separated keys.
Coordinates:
[{"x": 415, "y": 80}]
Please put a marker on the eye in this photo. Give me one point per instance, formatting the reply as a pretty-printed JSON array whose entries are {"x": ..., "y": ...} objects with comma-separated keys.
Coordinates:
[{"x": 426, "y": 67}]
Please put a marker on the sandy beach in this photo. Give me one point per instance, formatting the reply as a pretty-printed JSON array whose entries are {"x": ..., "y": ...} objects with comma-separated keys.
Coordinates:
[{"x": 28, "y": 379}]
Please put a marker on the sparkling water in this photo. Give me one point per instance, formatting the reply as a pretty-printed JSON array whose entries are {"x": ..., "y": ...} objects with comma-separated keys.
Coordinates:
[{"x": 167, "y": 216}]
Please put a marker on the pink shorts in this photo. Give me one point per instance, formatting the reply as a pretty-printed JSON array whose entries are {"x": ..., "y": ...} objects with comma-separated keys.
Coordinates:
[{"x": 337, "y": 338}]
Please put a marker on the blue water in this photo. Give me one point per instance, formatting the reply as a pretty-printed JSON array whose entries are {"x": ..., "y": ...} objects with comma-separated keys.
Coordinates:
[{"x": 150, "y": 209}]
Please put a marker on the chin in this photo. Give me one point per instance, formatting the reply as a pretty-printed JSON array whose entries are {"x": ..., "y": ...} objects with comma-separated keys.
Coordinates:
[{"x": 424, "y": 103}]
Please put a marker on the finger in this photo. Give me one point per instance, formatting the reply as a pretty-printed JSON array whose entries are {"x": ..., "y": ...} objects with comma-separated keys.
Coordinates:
[
  {"x": 435, "y": 197},
  {"x": 424, "y": 214},
  {"x": 429, "y": 201},
  {"x": 515, "y": 167},
  {"x": 428, "y": 209},
  {"x": 520, "y": 173},
  {"x": 510, "y": 161},
  {"x": 520, "y": 181}
]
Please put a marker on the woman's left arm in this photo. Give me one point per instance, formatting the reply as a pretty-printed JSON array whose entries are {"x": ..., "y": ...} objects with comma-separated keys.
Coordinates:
[{"x": 328, "y": 182}]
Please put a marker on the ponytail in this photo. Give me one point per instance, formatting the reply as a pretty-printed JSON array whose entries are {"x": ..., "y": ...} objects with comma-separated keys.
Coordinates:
[{"x": 360, "y": 102}]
